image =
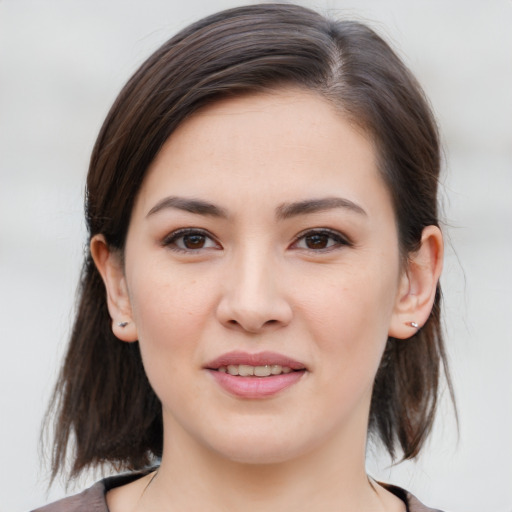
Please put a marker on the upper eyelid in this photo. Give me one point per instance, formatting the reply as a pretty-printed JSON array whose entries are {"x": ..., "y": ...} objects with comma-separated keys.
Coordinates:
[
  {"x": 167, "y": 239},
  {"x": 322, "y": 231},
  {"x": 177, "y": 233}
]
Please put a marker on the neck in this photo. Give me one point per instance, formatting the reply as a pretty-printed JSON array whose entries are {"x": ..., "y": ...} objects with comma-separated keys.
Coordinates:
[{"x": 330, "y": 477}]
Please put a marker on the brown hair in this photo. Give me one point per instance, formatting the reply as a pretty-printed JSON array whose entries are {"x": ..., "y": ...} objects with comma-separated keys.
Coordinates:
[{"x": 103, "y": 403}]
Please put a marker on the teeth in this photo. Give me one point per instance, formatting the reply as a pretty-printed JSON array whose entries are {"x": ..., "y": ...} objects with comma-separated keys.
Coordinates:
[
  {"x": 232, "y": 369},
  {"x": 262, "y": 371},
  {"x": 245, "y": 370}
]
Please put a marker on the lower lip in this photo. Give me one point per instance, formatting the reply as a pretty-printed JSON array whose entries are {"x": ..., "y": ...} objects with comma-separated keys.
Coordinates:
[{"x": 256, "y": 387}]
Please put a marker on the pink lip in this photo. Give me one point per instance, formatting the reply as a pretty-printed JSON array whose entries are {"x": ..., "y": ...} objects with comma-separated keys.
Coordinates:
[
  {"x": 259, "y": 359},
  {"x": 255, "y": 387}
]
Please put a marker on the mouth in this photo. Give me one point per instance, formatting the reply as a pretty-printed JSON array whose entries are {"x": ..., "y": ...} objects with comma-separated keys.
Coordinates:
[
  {"x": 262, "y": 364},
  {"x": 255, "y": 375},
  {"x": 245, "y": 370}
]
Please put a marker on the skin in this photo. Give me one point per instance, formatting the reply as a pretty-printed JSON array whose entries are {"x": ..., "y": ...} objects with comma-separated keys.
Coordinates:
[{"x": 323, "y": 287}]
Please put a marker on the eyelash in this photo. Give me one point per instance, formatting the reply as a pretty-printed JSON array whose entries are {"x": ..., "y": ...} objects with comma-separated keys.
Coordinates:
[
  {"x": 339, "y": 240},
  {"x": 171, "y": 240}
]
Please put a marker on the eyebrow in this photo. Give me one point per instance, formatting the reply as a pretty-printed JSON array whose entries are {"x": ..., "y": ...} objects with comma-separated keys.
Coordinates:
[
  {"x": 191, "y": 205},
  {"x": 287, "y": 210},
  {"x": 283, "y": 211}
]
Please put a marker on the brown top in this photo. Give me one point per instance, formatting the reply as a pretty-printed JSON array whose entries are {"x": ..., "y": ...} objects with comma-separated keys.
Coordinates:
[{"x": 93, "y": 499}]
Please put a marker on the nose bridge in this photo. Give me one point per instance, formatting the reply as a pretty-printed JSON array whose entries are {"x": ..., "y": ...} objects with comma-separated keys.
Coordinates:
[
  {"x": 254, "y": 283},
  {"x": 252, "y": 298}
]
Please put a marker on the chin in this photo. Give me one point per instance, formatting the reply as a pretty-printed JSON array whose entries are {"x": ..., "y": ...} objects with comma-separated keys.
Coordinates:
[
  {"x": 262, "y": 446},
  {"x": 256, "y": 455}
]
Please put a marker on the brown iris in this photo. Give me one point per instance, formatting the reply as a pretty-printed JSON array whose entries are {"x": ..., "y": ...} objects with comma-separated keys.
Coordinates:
[
  {"x": 194, "y": 241},
  {"x": 317, "y": 241}
]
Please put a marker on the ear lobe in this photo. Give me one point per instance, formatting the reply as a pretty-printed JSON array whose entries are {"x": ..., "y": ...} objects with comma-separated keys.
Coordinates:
[
  {"x": 110, "y": 267},
  {"x": 418, "y": 285}
]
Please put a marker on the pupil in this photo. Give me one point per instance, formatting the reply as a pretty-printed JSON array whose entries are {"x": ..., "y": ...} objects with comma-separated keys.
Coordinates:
[
  {"x": 317, "y": 241},
  {"x": 193, "y": 241}
]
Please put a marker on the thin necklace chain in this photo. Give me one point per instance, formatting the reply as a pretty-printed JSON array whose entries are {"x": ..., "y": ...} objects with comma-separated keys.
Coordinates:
[
  {"x": 371, "y": 481},
  {"x": 144, "y": 491}
]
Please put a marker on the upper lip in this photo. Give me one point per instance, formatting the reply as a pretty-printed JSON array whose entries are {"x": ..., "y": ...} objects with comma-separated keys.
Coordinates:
[{"x": 259, "y": 359}]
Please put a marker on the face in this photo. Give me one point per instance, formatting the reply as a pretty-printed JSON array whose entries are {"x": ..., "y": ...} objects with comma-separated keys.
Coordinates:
[{"x": 262, "y": 272}]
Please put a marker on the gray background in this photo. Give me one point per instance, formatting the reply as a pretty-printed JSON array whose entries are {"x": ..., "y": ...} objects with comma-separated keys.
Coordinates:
[{"x": 62, "y": 62}]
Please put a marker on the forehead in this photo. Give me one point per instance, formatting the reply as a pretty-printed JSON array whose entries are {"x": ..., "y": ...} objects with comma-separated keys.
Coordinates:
[
  {"x": 287, "y": 144},
  {"x": 285, "y": 118}
]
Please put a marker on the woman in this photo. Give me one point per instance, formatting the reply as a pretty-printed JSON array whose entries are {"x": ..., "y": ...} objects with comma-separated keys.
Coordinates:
[{"x": 261, "y": 289}]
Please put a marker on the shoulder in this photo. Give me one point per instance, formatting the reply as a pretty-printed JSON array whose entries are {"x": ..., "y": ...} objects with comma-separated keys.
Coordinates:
[
  {"x": 413, "y": 504},
  {"x": 92, "y": 499}
]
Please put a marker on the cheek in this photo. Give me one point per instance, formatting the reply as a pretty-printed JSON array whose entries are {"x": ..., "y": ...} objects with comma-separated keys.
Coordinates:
[
  {"x": 350, "y": 316},
  {"x": 170, "y": 311},
  {"x": 167, "y": 302},
  {"x": 169, "y": 323}
]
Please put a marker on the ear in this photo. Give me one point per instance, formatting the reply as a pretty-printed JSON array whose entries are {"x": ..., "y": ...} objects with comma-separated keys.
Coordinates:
[
  {"x": 109, "y": 265},
  {"x": 418, "y": 284}
]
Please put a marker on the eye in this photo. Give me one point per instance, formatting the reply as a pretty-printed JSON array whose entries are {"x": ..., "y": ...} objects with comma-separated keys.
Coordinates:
[
  {"x": 320, "y": 240},
  {"x": 190, "y": 240}
]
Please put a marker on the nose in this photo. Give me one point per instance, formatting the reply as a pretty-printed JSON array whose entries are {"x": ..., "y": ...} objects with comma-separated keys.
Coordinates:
[{"x": 253, "y": 300}]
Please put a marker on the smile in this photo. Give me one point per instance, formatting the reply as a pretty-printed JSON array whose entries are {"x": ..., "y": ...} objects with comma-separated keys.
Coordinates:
[
  {"x": 245, "y": 370},
  {"x": 255, "y": 376}
]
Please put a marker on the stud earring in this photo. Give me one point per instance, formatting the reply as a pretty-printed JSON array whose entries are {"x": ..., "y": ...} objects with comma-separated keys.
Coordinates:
[
  {"x": 414, "y": 325},
  {"x": 122, "y": 324}
]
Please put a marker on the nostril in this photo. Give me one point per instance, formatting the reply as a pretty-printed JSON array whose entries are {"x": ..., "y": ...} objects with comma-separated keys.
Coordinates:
[{"x": 248, "y": 326}]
